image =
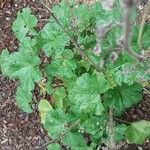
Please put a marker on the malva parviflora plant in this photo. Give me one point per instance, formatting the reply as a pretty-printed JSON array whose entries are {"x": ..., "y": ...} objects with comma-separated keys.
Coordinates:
[{"x": 93, "y": 54}]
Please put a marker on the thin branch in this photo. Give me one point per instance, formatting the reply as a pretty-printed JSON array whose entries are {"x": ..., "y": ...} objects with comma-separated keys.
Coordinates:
[
  {"x": 111, "y": 144},
  {"x": 58, "y": 138},
  {"x": 146, "y": 10},
  {"x": 78, "y": 48}
]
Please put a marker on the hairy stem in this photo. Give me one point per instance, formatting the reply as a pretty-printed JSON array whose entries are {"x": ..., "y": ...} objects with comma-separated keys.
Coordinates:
[
  {"x": 58, "y": 138},
  {"x": 111, "y": 144},
  {"x": 78, "y": 48}
]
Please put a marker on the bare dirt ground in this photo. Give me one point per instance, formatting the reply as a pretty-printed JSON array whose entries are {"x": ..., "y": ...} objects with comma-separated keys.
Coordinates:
[{"x": 21, "y": 131}]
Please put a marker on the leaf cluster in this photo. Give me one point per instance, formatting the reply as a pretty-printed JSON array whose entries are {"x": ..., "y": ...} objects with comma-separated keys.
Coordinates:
[{"x": 82, "y": 91}]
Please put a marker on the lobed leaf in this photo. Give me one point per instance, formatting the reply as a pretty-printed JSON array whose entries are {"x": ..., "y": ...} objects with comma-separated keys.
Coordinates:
[
  {"x": 53, "y": 36},
  {"x": 23, "y": 66},
  {"x": 75, "y": 141},
  {"x": 63, "y": 68},
  {"x": 23, "y": 99},
  {"x": 24, "y": 23},
  {"x": 55, "y": 123},
  {"x": 123, "y": 97},
  {"x": 85, "y": 95}
]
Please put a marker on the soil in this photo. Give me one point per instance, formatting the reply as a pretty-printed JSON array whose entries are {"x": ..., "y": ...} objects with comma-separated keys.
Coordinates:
[
  {"x": 22, "y": 131},
  {"x": 18, "y": 130}
]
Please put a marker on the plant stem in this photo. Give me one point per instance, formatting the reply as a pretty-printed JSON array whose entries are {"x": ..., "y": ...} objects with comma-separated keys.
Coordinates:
[
  {"x": 124, "y": 41},
  {"x": 78, "y": 48},
  {"x": 58, "y": 138},
  {"x": 111, "y": 144}
]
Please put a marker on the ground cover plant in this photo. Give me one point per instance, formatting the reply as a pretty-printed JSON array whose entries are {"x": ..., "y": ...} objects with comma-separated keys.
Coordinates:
[{"x": 98, "y": 56}]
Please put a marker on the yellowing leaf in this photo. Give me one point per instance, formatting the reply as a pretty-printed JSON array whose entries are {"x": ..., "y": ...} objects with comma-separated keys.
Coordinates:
[{"x": 44, "y": 107}]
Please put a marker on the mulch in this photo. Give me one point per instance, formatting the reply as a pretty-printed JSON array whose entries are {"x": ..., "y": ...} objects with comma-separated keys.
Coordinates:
[
  {"x": 22, "y": 131},
  {"x": 18, "y": 130}
]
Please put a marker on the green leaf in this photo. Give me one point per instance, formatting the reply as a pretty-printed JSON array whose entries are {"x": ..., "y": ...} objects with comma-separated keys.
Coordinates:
[
  {"x": 29, "y": 45},
  {"x": 87, "y": 40},
  {"x": 69, "y": 82},
  {"x": 58, "y": 96},
  {"x": 55, "y": 123},
  {"x": 68, "y": 54},
  {"x": 123, "y": 97},
  {"x": 24, "y": 24},
  {"x": 23, "y": 99},
  {"x": 98, "y": 13},
  {"x": 63, "y": 68},
  {"x": 109, "y": 74},
  {"x": 119, "y": 131},
  {"x": 109, "y": 42},
  {"x": 137, "y": 132},
  {"x": 54, "y": 146},
  {"x": 23, "y": 66},
  {"x": 53, "y": 36},
  {"x": 145, "y": 36},
  {"x": 144, "y": 39},
  {"x": 48, "y": 86},
  {"x": 93, "y": 57},
  {"x": 103, "y": 84},
  {"x": 75, "y": 141},
  {"x": 129, "y": 73},
  {"x": 94, "y": 125},
  {"x": 63, "y": 9},
  {"x": 85, "y": 95},
  {"x": 44, "y": 107},
  {"x": 83, "y": 16},
  {"x": 82, "y": 67}
]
